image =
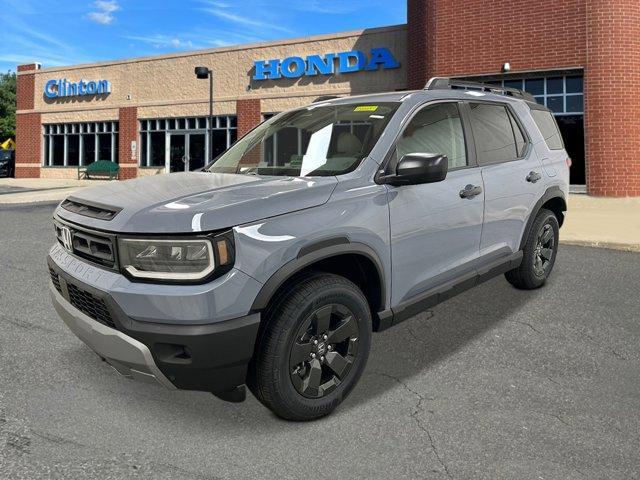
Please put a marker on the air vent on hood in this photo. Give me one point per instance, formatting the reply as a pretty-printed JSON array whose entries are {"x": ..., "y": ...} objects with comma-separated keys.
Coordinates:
[{"x": 94, "y": 211}]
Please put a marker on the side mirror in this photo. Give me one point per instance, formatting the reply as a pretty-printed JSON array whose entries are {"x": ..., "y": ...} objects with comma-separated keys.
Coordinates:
[{"x": 417, "y": 168}]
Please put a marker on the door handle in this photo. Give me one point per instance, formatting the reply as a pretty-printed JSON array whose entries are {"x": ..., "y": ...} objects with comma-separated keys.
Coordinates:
[
  {"x": 470, "y": 191},
  {"x": 533, "y": 177}
]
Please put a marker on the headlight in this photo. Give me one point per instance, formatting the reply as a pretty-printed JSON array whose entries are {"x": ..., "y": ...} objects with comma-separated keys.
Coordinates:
[{"x": 176, "y": 259}]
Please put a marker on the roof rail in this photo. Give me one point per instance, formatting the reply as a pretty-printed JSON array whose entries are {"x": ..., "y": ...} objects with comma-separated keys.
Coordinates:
[
  {"x": 324, "y": 98},
  {"x": 445, "y": 83}
]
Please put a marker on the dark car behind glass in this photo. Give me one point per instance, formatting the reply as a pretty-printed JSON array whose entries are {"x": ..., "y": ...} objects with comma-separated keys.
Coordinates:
[{"x": 7, "y": 163}]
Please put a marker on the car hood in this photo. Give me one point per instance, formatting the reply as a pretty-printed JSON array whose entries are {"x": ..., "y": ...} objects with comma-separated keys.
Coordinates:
[{"x": 197, "y": 201}]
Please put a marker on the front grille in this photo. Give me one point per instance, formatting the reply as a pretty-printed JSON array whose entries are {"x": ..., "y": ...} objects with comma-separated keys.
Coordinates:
[
  {"x": 56, "y": 280},
  {"x": 93, "y": 246},
  {"x": 90, "y": 305}
]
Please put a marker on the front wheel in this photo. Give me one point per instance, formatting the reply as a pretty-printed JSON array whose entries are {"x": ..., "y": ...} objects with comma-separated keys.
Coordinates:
[
  {"x": 539, "y": 253},
  {"x": 313, "y": 348}
]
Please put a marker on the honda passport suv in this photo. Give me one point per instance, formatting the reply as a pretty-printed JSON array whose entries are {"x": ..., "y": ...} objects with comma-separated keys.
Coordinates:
[{"x": 272, "y": 266}]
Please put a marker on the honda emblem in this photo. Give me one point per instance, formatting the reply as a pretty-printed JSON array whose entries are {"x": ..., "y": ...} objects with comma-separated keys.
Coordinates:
[{"x": 66, "y": 239}]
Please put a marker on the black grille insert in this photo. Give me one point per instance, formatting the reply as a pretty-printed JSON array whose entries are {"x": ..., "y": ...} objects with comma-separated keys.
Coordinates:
[
  {"x": 93, "y": 246},
  {"x": 90, "y": 305},
  {"x": 56, "y": 280}
]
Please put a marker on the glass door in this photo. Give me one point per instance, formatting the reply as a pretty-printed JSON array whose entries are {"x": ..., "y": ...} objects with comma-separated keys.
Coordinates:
[
  {"x": 187, "y": 151},
  {"x": 196, "y": 153},
  {"x": 177, "y": 152}
]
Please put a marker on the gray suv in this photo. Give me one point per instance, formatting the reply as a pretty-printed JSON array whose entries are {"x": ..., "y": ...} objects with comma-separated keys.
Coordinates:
[{"x": 272, "y": 266}]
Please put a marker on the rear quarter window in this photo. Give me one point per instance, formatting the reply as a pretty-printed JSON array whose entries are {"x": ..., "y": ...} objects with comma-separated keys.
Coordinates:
[
  {"x": 549, "y": 129},
  {"x": 494, "y": 133}
]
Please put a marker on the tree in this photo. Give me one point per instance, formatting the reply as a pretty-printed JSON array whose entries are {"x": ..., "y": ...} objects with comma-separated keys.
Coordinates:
[{"x": 7, "y": 106}]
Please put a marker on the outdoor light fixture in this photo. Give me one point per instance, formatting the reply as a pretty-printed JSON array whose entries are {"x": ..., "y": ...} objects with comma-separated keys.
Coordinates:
[
  {"x": 203, "y": 73},
  {"x": 506, "y": 67}
]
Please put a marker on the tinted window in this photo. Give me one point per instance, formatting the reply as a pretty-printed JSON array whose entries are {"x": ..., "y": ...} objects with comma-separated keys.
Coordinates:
[
  {"x": 493, "y": 133},
  {"x": 521, "y": 141},
  {"x": 435, "y": 129},
  {"x": 549, "y": 129}
]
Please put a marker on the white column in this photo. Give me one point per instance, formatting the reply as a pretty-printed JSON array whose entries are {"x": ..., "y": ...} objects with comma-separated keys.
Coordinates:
[
  {"x": 80, "y": 149},
  {"x": 65, "y": 161}
]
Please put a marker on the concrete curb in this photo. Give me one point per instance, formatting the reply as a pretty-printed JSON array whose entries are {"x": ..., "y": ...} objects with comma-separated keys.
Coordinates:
[
  {"x": 42, "y": 196},
  {"x": 625, "y": 247}
]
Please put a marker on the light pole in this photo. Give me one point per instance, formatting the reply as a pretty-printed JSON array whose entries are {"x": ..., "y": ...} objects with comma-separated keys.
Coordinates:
[{"x": 203, "y": 73}]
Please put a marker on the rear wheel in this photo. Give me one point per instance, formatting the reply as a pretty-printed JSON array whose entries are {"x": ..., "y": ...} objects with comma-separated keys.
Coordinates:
[
  {"x": 539, "y": 253},
  {"x": 313, "y": 349}
]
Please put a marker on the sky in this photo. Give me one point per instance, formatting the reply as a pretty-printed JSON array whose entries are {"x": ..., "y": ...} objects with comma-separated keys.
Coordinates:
[{"x": 67, "y": 32}]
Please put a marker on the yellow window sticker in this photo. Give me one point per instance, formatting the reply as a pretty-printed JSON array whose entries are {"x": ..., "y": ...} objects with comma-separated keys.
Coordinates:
[{"x": 366, "y": 108}]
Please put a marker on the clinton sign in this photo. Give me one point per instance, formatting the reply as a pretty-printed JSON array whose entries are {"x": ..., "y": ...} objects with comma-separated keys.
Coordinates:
[
  {"x": 64, "y": 88},
  {"x": 328, "y": 64}
]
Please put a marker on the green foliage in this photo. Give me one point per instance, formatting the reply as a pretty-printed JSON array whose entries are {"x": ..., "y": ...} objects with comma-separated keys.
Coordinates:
[{"x": 7, "y": 106}]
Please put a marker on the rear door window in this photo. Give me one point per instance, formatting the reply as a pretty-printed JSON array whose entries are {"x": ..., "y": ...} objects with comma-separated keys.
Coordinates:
[
  {"x": 493, "y": 131},
  {"x": 549, "y": 128}
]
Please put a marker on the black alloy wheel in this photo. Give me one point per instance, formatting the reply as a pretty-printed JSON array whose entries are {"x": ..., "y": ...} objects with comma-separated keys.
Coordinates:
[
  {"x": 544, "y": 250},
  {"x": 538, "y": 254},
  {"x": 324, "y": 350},
  {"x": 312, "y": 347}
]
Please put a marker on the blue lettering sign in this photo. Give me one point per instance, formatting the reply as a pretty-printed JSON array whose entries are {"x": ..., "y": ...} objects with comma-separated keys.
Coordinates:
[
  {"x": 292, "y": 67},
  {"x": 331, "y": 63},
  {"x": 64, "y": 88}
]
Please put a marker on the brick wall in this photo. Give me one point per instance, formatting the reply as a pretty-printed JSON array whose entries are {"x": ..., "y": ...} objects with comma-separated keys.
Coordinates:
[
  {"x": 28, "y": 126},
  {"x": 472, "y": 37},
  {"x": 128, "y": 132},
  {"x": 612, "y": 107},
  {"x": 249, "y": 115},
  {"x": 460, "y": 37}
]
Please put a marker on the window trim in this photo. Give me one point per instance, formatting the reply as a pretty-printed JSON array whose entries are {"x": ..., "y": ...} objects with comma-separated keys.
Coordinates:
[
  {"x": 511, "y": 111},
  {"x": 466, "y": 129}
]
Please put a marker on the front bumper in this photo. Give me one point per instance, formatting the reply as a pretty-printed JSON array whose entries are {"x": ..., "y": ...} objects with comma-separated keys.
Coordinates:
[
  {"x": 212, "y": 357},
  {"x": 126, "y": 355}
]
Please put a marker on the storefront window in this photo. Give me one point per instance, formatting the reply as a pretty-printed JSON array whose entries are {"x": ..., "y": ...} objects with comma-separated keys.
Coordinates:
[
  {"x": 155, "y": 135},
  {"x": 73, "y": 150},
  {"x": 155, "y": 157},
  {"x": 74, "y": 144}
]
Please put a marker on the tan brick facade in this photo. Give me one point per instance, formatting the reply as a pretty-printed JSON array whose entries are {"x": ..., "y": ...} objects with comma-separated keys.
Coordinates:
[
  {"x": 600, "y": 38},
  {"x": 166, "y": 87}
]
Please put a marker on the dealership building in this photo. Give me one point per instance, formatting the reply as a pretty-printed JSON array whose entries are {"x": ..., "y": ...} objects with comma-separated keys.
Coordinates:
[{"x": 581, "y": 58}]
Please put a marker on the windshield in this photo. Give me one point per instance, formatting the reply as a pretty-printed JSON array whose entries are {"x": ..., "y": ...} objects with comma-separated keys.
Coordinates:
[{"x": 314, "y": 141}]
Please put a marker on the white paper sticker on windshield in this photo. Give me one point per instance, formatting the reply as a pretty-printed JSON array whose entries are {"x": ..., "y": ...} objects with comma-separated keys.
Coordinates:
[{"x": 316, "y": 155}]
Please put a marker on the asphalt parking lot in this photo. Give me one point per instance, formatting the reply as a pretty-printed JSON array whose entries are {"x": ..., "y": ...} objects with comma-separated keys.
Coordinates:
[{"x": 496, "y": 383}]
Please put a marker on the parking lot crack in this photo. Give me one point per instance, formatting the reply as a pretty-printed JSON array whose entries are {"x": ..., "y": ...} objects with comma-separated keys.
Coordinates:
[
  {"x": 526, "y": 324},
  {"x": 415, "y": 415},
  {"x": 553, "y": 415}
]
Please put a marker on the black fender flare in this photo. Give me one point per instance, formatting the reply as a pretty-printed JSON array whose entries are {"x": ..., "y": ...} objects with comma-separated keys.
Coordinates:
[
  {"x": 312, "y": 253},
  {"x": 550, "y": 193}
]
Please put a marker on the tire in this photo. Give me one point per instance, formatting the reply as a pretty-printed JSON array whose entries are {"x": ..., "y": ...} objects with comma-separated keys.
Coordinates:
[
  {"x": 290, "y": 374},
  {"x": 539, "y": 253}
]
